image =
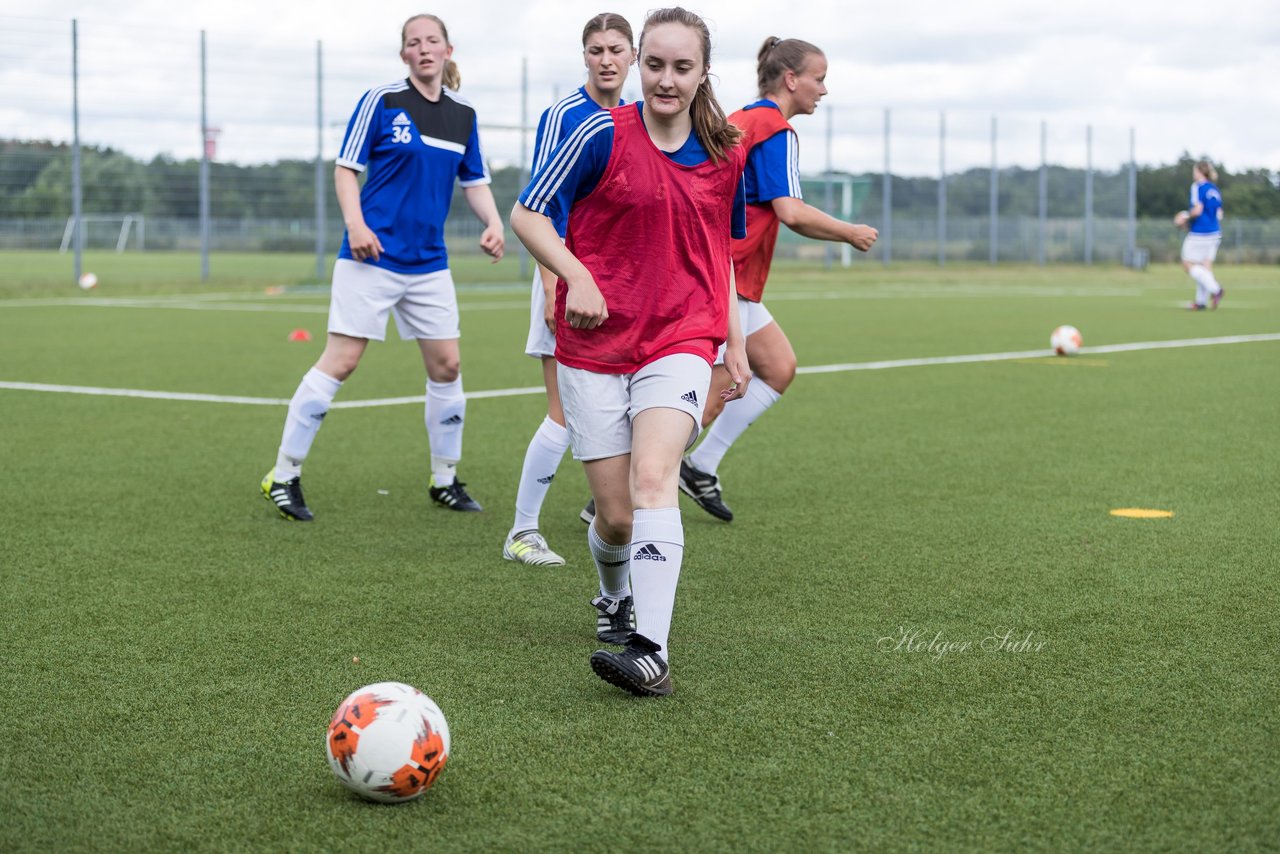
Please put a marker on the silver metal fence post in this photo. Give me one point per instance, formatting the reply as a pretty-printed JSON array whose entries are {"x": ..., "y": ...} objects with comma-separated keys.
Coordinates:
[
  {"x": 942, "y": 189},
  {"x": 320, "y": 184},
  {"x": 204, "y": 162},
  {"x": 994, "y": 249},
  {"x": 77, "y": 189},
  {"x": 1041, "y": 249},
  {"x": 829, "y": 250},
  {"x": 1133, "y": 203},
  {"x": 886, "y": 232},
  {"x": 1088, "y": 194},
  {"x": 524, "y": 152}
]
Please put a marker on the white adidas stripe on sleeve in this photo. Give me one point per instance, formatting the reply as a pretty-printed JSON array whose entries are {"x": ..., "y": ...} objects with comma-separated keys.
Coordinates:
[{"x": 555, "y": 172}]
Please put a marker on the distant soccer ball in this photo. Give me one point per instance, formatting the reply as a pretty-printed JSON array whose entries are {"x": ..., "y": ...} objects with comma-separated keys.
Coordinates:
[
  {"x": 388, "y": 742},
  {"x": 88, "y": 281},
  {"x": 1066, "y": 340}
]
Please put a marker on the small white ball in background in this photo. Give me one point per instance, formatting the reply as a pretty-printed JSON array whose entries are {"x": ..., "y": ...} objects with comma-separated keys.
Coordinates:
[
  {"x": 88, "y": 281},
  {"x": 1066, "y": 340}
]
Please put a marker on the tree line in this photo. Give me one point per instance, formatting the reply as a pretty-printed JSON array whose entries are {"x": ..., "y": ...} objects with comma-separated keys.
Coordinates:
[{"x": 36, "y": 179}]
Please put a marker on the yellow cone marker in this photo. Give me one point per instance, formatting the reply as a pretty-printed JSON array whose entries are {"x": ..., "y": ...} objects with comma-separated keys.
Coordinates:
[{"x": 1140, "y": 513}]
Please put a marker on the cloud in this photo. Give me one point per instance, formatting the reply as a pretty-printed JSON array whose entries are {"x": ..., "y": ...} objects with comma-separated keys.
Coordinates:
[{"x": 1184, "y": 75}]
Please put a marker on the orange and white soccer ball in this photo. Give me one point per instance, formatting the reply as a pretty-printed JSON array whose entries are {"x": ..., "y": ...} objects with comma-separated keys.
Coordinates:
[
  {"x": 1066, "y": 340},
  {"x": 388, "y": 742},
  {"x": 88, "y": 281}
]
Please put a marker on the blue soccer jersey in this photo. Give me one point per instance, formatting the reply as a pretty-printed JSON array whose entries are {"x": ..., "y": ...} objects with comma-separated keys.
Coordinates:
[
  {"x": 557, "y": 122},
  {"x": 1209, "y": 221},
  {"x": 773, "y": 166},
  {"x": 412, "y": 150},
  {"x": 575, "y": 167}
]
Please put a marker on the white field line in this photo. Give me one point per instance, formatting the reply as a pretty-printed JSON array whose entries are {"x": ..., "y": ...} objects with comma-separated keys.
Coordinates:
[
  {"x": 1028, "y": 354},
  {"x": 516, "y": 392}
]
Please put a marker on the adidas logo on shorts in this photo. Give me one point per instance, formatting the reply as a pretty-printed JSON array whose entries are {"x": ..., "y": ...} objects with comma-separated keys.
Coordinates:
[
  {"x": 649, "y": 552},
  {"x": 690, "y": 397}
]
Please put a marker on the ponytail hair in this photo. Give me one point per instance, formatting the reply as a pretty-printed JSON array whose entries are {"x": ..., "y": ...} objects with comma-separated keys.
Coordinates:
[
  {"x": 709, "y": 121},
  {"x": 1205, "y": 168},
  {"x": 777, "y": 57},
  {"x": 452, "y": 78}
]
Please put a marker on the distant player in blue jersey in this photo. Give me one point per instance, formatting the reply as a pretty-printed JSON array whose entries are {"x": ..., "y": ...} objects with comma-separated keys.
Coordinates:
[
  {"x": 608, "y": 50},
  {"x": 413, "y": 139},
  {"x": 1203, "y": 221}
]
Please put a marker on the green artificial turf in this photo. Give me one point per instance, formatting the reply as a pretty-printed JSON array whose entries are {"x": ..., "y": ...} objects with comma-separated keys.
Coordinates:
[{"x": 173, "y": 650}]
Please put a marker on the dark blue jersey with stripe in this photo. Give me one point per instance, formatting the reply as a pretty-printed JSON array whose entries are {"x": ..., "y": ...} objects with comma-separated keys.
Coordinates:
[
  {"x": 773, "y": 166},
  {"x": 411, "y": 151},
  {"x": 558, "y": 121},
  {"x": 1210, "y": 219}
]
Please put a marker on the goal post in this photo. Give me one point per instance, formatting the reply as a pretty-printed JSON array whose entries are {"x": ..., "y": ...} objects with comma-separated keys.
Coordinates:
[
  {"x": 129, "y": 225},
  {"x": 839, "y": 194}
]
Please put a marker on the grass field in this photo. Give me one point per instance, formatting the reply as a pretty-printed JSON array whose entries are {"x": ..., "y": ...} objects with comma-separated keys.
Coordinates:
[{"x": 173, "y": 650}]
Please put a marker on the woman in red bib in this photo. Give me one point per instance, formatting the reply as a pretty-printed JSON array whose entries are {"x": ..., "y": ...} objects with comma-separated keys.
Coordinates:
[
  {"x": 791, "y": 76},
  {"x": 653, "y": 193}
]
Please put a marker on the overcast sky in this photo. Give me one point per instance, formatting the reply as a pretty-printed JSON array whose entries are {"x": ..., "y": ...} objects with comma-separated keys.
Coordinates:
[{"x": 1202, "y": 77}]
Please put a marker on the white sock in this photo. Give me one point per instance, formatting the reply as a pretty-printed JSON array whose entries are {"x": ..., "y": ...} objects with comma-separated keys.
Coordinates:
[
  {"x": 446, "y": 413},
  {"x": 613, "y": 563},
  {"x": 307, "y": 409},
  {"x": 657, "y": 550},
  {"x": 737, "y": 416},
  {"x": 1205, "y": 282},
  {"x": 541, "y": 460}
]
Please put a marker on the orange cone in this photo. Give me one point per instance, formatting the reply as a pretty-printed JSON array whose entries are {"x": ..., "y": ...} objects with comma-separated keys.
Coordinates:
[{"x": 299, "y": 335}]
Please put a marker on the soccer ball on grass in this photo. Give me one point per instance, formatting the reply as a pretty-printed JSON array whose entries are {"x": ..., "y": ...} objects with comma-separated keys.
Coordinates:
[
  {"x": 1066, "y": 340},
  {"x": 387, "y": 742}
]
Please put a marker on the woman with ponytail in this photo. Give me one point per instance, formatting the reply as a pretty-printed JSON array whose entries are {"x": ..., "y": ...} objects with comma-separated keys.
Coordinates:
[
  {"x": 1203, "y": 221},
  {"x": 608, "y": 51},
  {"x": 653, "y": 194},
  {"x": 791, "y": 76},
  {"x": 413, "y": 139}
]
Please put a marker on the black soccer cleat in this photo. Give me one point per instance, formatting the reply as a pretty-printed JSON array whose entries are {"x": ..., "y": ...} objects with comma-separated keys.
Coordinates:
[
  {"x": 637, "y": 669},
  {"x": 454, "y": 497},
  {"x": 616, "y": 619},
  {"x": 704, "y": 489},
  {"x": 287, "y": 497},
  {"x": 588, "y": 513}
]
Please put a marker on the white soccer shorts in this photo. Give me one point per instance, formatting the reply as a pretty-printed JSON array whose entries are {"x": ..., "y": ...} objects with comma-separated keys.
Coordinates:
[
  {"x": 753, "y": 317},
  {"x": 541, "y": 341},
  {"x": 1200, "y": 248},
  {"x": 599, "y": 408},
  {"x": 424, "y": 305}
]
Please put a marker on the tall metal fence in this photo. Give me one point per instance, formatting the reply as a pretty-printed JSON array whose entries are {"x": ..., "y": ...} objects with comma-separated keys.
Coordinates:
[{"x": 144, "y": 139}]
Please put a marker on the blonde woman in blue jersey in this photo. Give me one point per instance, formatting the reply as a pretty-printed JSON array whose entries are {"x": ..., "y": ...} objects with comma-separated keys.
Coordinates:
[
  {"x": 413, "y": 139},
  {"x": 608, "y": 51},
  {"x": 1203, "y": 221}
]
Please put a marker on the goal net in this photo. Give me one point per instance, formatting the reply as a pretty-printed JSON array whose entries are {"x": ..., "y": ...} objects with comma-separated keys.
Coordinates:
[{"x": 107, "y": 230}]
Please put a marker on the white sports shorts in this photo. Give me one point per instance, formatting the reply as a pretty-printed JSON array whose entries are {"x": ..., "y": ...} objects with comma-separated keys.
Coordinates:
[
  {"x": 541, "y": 341},
  {"x": 1200, "y": 248},
  {"x": 753, "y": 317},
  {"x": 424, "y": 304},
  {"x": 599, "y": 408}
]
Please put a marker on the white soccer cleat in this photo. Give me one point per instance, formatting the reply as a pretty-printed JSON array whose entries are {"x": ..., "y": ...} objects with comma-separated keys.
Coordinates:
[{"x": 529, "y": 547}]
